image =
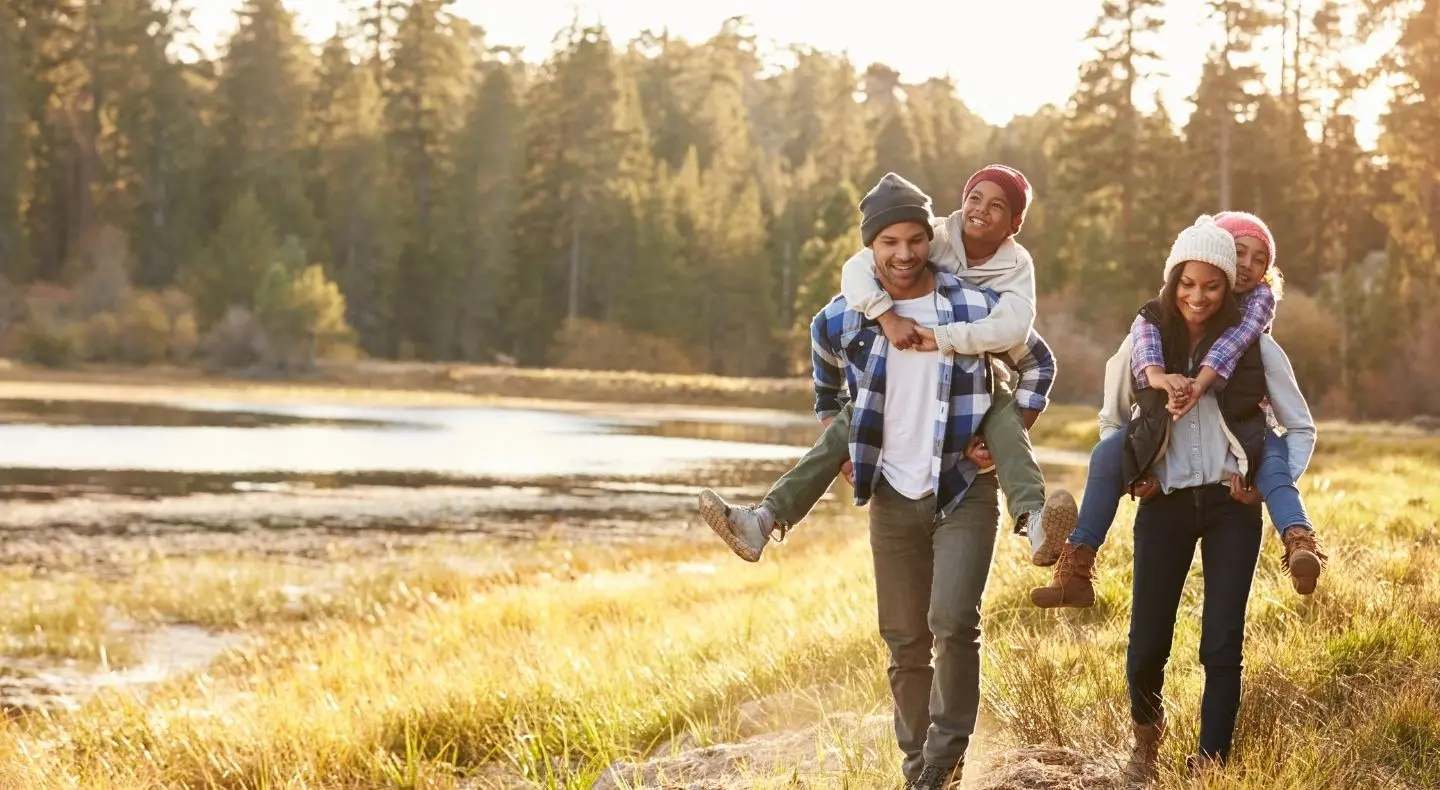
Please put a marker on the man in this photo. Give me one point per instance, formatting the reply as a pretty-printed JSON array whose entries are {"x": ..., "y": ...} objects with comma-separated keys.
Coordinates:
[
  {"x": 977, "y": 244},
  {"x": 933, "y": 517}
]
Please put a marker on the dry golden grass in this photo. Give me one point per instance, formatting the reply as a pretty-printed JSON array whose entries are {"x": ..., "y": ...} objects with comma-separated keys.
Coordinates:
[{"x": 547, "y": 663}]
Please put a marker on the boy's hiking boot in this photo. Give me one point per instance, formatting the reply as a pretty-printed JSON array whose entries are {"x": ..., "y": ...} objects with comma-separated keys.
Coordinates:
[
  {"x": 1071, "y": 584},
  {"x": 744, "y": 529},
  {"x": 936, "y": 777},
  {"x": 1303, "y": 559},
  {"x": 1048, "y": 527},
  {"x": 1145, "y": 752}
]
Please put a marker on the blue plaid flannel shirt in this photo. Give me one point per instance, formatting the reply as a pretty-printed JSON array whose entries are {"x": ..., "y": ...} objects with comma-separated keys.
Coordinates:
[
  {"x": 848, "y": 354},
  {"x": 1257, "y": 312}
]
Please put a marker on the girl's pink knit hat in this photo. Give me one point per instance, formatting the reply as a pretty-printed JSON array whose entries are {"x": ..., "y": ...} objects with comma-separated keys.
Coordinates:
[{"x": 1241, "y": 223}]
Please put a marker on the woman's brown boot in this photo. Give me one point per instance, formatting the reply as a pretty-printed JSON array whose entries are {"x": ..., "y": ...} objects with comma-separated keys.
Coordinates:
[{"x": 1145, "y": 753}]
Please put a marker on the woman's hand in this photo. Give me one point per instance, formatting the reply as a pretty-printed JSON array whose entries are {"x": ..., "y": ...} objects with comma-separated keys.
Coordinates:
[
  {"x": 1146, "y": 488},
  {"x": 1245, "y": 495},
  {"x": 1178, "y": 408}
]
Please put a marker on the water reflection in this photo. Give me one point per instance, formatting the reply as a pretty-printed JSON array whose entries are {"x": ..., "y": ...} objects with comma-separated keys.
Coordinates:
[
  {"x": 25, "y": 411},
  {"x": 168, "y": 449}
]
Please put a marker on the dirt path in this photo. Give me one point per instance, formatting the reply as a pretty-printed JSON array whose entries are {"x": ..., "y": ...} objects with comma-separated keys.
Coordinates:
[{"x": 857, "y": 750}]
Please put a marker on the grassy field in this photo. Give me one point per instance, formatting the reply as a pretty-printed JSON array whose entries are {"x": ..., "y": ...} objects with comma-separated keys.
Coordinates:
[{"x": 486, "y": 664}]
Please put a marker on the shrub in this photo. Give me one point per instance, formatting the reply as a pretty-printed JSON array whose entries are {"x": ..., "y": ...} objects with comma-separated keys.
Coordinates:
[
  {"x": 184, "y": 338},
  {"x": 593, "y": 345},
  {"x": 144, "y": 328},
  {"x": 48, "y": 342},
  {"x": 101, "y": 339},
  {"x": 235, "y": 341}
]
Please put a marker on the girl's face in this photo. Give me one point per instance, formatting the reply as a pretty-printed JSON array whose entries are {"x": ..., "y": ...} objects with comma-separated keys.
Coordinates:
[
  {"x": 1251, "y": 262},
  {"x": 1200, "y": 292}
]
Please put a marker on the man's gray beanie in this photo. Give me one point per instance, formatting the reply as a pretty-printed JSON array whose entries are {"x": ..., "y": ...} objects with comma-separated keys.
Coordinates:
[{"x": 891, "y": 201}]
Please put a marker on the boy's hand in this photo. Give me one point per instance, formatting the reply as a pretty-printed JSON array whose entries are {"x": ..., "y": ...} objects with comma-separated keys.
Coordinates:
[
  {"x": 847, "y": 470},
  {"x": 927, "y": 340},
  {"x": 901, "y": 332}
]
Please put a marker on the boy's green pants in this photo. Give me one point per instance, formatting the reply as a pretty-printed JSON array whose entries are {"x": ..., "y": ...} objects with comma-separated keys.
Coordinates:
[{"x": 797, "y": 491}]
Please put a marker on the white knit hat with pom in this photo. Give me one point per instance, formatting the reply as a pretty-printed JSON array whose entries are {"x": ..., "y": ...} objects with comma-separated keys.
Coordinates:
[{"x": 1206, "y": 242}]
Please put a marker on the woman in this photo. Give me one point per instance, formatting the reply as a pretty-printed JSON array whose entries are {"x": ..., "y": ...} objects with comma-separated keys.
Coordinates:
[
  {"x": 1197, "y": 485},
  {"x": 1258, "y": 287}
]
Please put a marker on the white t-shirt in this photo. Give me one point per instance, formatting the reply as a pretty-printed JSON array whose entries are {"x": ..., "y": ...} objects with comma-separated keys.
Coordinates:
[{"x": 912, "y": 379}]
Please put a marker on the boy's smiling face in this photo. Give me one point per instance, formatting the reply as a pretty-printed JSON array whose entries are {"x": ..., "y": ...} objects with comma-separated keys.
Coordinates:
[{"x": 987, "y": 214}]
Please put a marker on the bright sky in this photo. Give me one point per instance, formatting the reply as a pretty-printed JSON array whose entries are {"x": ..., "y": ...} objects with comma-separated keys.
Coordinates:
[{"x": 1007, "y": 58}]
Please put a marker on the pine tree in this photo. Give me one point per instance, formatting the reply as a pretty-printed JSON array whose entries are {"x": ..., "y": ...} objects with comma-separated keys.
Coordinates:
[
  {"x": 1235, "y": 80},
  {"x": 1410, "y": 129},
  {"x": 14, "y": 150},
  {"x": 237, "y": 258},
  {"x": 477, "y": 235},
  {"x": 951, "y": 142},
  {"x": 895, "y": 149},
  {"x": 1104, "y": 241},
  {"x": 582, "y": 127},
  {"x": 354, "y": 192},
  {"x": 163, "y": 140},
  {"x": 425, "y": 108},
  {"x": 49, "y": 57},
  {"x": 264, "y": 94}
]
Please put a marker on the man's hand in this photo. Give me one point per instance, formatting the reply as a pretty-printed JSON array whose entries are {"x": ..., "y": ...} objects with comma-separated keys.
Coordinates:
[
  {"x": 847, "y": 470},
  {"x": 1146, "y": 488},
  {"x": 979, "y": 453},
  {"x": 902, "y": 332},
  {"x": 1241, "y": 493}
]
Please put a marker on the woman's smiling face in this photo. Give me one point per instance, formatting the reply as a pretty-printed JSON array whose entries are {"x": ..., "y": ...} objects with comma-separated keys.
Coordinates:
[{"x": 1200, "y": 292}]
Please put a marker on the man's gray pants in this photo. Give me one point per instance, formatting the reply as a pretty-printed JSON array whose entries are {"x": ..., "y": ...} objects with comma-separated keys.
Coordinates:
[{"x": 929, "y": 578}]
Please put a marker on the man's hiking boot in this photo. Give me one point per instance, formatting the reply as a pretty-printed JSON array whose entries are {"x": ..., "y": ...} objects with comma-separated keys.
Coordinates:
[
  {"x": 1145, "y": 753},
  {"x": 936, "y": 777},
  {"x": 1303, "y": 559},
  {"x": 744, "y": 529},
  {"x": 1071, "y": 584},
  {"x": 1048, "y": 527}
]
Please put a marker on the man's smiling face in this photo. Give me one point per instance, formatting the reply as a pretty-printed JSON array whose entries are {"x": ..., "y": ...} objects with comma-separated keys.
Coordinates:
[{"x": 901, "y": 253}]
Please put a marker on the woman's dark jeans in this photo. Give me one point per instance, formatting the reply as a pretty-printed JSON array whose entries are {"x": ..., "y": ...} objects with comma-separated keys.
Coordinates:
[{"x": 1167, "y": 528}]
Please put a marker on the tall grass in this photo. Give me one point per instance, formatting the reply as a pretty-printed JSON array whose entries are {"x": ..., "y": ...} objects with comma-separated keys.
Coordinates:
[{"x": 555, "y": 662}]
